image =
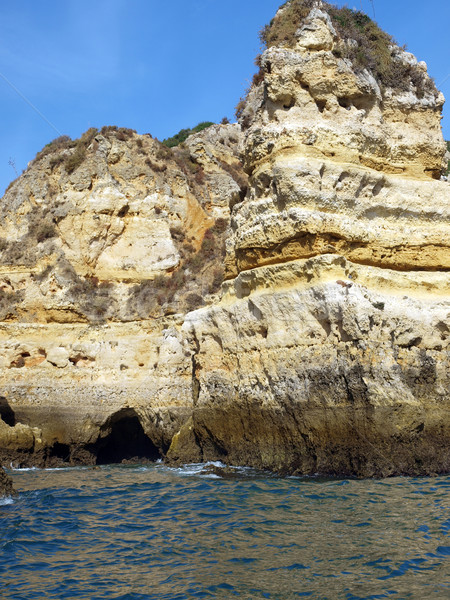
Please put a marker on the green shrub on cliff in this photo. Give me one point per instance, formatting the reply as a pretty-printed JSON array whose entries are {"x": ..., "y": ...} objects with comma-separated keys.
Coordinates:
[{"x": 183, "y": 134}]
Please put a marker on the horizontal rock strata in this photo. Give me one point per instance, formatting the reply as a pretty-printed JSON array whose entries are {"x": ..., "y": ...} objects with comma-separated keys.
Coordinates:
[
  {"x": 97, "y": 267},
  {"x": 321, "y": 365},
  {"x": 329, "y": 351}
]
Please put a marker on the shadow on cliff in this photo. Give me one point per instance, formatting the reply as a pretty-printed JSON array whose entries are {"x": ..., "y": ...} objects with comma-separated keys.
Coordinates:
[
  {"x": 123, "y": 439},
  {"x": 6, "y": 412}
]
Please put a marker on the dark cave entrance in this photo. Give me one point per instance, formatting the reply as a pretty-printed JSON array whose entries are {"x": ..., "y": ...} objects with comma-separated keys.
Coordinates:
[
  {"x": 61, "y": 451},
  {"x": 6, "y": 412},
  {"x": 125, "y": 441}
]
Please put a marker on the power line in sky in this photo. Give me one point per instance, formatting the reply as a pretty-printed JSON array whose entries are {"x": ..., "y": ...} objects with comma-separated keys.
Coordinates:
[
  {"x": 443, "y": 81},
  {"x": 30, "y": 103}
]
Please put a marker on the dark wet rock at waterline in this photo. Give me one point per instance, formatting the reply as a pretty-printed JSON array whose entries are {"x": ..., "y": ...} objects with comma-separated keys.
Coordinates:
[{"x": 6, "y": 487}]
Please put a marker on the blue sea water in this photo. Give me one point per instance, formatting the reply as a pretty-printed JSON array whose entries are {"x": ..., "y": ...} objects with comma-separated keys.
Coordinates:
[{"x": 133, "y": 532}]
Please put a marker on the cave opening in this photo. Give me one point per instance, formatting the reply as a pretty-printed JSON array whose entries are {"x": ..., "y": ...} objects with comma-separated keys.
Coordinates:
[
  {"x": 61, "y": 451},
  {"x": 6, "y": 412},
  {"x": 125, "y": 441}
]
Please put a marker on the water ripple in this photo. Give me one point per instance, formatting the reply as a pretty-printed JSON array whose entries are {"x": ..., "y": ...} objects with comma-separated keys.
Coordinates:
[{"x": 135, "y": 532}]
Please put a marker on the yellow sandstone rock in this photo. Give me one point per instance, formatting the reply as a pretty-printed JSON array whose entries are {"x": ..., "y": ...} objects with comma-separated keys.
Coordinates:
[
  {"x": 329, "y": 351},
  {"x": 97, "y": 268}
]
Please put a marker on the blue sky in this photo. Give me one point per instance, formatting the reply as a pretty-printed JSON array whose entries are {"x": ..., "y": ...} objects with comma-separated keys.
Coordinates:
[{"x": 155, "y": 66}]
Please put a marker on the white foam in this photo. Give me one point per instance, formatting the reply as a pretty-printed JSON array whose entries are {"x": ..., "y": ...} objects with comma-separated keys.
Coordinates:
[
  {"x": 23, "y": 468},
  {"x": 5, "y": 501},
  {"x": 201, "y": 469},
  {"x": 62, "y": 468}
]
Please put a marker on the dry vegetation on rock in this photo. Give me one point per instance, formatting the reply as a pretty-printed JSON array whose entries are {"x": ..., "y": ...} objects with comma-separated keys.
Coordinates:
[
  {"x": 360, "y": 40},
  {"x": 200, "y": 274},
  {"x": 143, "y": 167},
  {"x": 327, "y": 351},
  {"x": 371, "y": 47}
]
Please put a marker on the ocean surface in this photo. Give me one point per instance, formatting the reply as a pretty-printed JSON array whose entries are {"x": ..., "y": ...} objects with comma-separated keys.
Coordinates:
[{"x": 151, "y": 532}]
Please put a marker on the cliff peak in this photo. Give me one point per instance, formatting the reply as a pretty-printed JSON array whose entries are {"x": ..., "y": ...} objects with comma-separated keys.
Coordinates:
[{"x": 333, "y": 78}]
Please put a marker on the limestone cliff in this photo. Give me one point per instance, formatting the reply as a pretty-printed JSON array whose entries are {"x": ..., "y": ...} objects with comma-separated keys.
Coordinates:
[
  {"x": 105, "y": 244},
  {"x": 329, "y": 350},
  {"x": 326, "y": 349}
]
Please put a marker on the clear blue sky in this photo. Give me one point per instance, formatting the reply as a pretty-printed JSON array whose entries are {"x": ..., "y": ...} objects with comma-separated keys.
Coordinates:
[{"x": 155, "y": 66}]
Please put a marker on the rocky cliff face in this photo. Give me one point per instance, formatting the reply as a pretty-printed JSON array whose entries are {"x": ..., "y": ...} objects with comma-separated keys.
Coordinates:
[
  {"x": 327, "y": 347},
  {"x": 106, "y": 244}
]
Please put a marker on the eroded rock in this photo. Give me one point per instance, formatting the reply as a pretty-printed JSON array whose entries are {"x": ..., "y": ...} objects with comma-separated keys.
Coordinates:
[
  {"x": 98, "y": 264},
  {"x": 329, "y": 350}
]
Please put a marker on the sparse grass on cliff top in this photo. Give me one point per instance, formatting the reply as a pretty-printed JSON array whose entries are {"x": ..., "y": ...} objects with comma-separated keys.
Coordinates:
[
  {"x": 372, "y": 51},
  {"x": 73, "y": 161},
  {"x": 72, "y": 153},
  {"x": 63, "y": 142},
  {"x": 58, "y": 147}
]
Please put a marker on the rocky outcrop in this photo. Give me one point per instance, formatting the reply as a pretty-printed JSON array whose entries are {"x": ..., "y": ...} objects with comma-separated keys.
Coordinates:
[
  {"x": 6, "y": 488},
  {"x": 329, "y": 351},
  {"x": 326, "y": 348},
  {"x": 99, "y": 263},
  {"x": 323, "y": 365}
]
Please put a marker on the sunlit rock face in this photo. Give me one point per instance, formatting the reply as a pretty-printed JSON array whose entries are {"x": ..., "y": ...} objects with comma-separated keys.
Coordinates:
[
  {"x": 98, "y": 266},
  {"x": 324, "y": 350},
  {"x": 329, "y": 349}
]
